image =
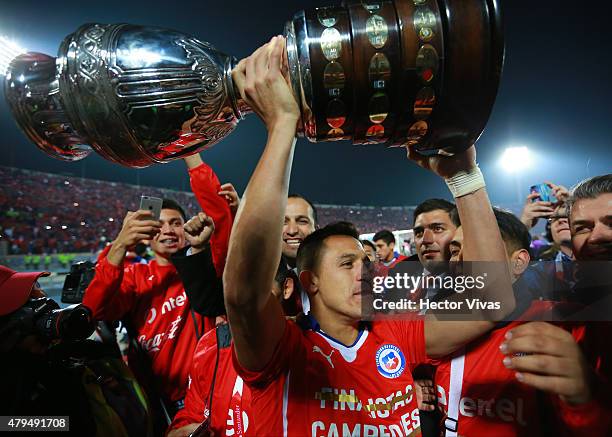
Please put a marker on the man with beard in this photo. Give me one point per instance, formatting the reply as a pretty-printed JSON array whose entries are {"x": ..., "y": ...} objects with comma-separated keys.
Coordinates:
[
  {"x": 538, "y": 352},
  {"x": 434, "y": 227},
  {"x": 480, "y": 391}
]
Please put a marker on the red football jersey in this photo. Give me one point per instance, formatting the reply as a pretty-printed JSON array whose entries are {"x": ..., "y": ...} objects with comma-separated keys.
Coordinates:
[
  {"x": 153, "y": 299},
  {"x": 485, "y": 398},
  {"x": 231, "y": 398},
  {"x": 317, "y": 386}
]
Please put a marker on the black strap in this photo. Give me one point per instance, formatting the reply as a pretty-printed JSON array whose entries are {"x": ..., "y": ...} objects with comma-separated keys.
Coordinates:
[
  {"x": 195, "y": 324},
  {"x": 223, "y": 335}
]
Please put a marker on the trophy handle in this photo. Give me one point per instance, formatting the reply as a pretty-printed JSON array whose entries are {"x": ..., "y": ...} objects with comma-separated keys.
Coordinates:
[{"x": 241, "y": 108}]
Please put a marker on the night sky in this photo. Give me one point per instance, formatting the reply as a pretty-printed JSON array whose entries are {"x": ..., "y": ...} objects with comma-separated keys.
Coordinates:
[{"x": 554, "y": 98}]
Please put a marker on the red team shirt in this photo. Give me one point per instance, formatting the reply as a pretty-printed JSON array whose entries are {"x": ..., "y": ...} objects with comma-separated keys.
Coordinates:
[
  {"x": 231, "y": 414},
  {"x": 315, "y": 386},
  {"x": 493, "y": 402},
  {"x": 153, "y": 298}
]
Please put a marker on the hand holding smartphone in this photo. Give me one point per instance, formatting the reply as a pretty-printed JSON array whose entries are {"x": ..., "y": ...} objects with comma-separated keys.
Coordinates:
[
  {"x": 152, "y": 204},
  {"x": 544, "y": 192}
]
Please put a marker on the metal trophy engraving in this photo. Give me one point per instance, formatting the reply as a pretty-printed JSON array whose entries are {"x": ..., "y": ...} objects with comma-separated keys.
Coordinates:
[{"x": 395, "y": 72}]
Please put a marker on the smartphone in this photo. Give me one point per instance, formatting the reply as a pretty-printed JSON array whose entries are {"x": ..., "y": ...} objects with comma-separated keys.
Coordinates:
[
  {"x": 153, "y": 204},
  {"x": 544, "y": 192}
]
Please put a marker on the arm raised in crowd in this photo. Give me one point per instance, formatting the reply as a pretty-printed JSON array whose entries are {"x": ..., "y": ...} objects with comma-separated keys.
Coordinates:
[
  {"x": 206, "y": 186},
  {"x": 482, "y": 242},
  {"x": 137, "y": 226},
  {"x": 197, "y": 270},
  {"x": 111, "y": 292},
  {"x": 255, "y": 317}
]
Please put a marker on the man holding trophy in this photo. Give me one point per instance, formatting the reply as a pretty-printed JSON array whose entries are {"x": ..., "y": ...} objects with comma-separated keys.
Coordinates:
[
  {"x": 297, "y": 370},
  {"x": 418, "y": 74}
]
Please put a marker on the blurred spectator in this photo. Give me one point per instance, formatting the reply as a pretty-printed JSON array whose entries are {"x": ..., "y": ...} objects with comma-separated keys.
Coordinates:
[
  {"x": 558, "y": 233},
  {"x": 370, "y": 249},
  {"x": 535, "y": 208},
  {"x": 385, "y": 248}
]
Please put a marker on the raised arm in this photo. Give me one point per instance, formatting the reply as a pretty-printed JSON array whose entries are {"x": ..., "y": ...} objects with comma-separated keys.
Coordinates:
[
  {"x": 482, "y": 242},
  {"x": 111, "y": 292},
  {"x": 205, "y": 185},
  {"x": 255, "y": 318}
]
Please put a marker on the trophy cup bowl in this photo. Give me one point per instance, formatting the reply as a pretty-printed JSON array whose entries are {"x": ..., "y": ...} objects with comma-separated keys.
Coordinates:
[{"x": 420, "y": 73}]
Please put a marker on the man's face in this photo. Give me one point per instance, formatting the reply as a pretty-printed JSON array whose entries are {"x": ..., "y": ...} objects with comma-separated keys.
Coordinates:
[
  {"x": 518, "y": 260},
  {"x": 384, "y": 251},
  {"x": 299, "y": 223},
  {"x": 591, "y": 228},
  {"x": 559, "y": 226},
  {"x": 171, "y": 238},
  {"x": 341, "y": 276},
  {"x": 433, "y": 232}
]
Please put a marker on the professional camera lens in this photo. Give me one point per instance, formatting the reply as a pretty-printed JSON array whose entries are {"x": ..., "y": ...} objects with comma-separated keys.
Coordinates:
[{"x": 71, "y": 323}]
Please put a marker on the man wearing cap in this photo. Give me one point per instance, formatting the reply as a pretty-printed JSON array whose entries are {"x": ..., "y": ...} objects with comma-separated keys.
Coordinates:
[
  {"x": 31, "y": 384},
  {"x": 15, "y": 290}
]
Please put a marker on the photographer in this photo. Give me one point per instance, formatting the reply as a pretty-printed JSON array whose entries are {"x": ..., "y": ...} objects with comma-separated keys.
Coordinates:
[{"x": 51, "y": 370}]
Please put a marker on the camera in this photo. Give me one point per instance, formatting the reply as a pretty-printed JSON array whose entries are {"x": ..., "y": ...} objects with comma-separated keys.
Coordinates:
[
  {"x": 77, "y": 281},
  {"x": 44, "y": 318}
]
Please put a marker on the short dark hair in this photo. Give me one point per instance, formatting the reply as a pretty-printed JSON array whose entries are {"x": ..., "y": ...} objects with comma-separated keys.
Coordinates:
[
  {"x": 454, "y": 216},
  {"x": 435, "y": 204},
  {"x": 591, "y": 188},
  {"x": 368, "y": 243},
  {"x": 173, "y": 204},
  {"x": 283, "y": 272},
  {"x": 309, "y": 251},
  {"x": 348, "y": 225},
  {"x": 314, "y": 209},
  {"x": 514, "y": 233},
  {"x": 385, "y": 235}
]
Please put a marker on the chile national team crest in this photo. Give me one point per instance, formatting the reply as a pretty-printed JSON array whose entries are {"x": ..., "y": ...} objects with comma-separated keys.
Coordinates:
[{"x": 390, "y": 361}]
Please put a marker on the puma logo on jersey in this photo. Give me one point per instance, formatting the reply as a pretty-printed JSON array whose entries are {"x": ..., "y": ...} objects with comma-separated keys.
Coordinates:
[{"x": 327, "y": 357}]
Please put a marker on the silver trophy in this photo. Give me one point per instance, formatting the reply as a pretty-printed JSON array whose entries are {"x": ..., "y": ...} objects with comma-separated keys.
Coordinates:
[{"x": 401, "y": 72}]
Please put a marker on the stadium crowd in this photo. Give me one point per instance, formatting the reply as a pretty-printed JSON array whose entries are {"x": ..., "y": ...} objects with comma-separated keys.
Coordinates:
[
  {"x": 49, "y": 213},
  {"x": 254, "y": 315},
  {"x": 69, "y": 218}
]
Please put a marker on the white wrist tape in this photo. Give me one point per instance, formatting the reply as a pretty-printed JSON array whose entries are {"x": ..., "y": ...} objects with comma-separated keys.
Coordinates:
[{"x": 465, "y": 182}]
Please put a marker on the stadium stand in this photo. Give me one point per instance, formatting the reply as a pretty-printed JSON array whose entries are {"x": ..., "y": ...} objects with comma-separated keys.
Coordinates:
[{"x": 48, "y": 218}]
